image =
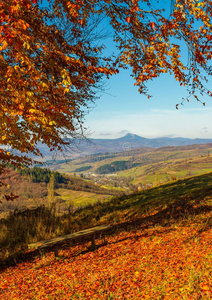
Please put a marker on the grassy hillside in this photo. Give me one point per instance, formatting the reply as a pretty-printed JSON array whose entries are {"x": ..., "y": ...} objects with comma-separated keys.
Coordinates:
[
  {"x": 144, "y": 167},
  {"x": 159, "y": 248},
  {"x": 169, "y": 170},
  {"x": 33, "y": 191},
  {"x": 78, "y": 198},
  {"x": 142, "y": 155}
]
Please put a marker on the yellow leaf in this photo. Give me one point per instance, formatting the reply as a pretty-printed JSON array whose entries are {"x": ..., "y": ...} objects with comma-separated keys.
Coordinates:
[
  {"x": 26, "y": 45},
  {"x": 31, "y": 111},
  {"x": 44, "y": 85},
  {"x": 4, "y": 45},
  {"x": 52, "y": 123}
]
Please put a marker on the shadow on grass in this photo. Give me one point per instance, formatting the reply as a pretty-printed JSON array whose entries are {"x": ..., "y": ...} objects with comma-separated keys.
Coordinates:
[
  {"x": 163, "y": 205},
  {"x": 164, "y": 218}
]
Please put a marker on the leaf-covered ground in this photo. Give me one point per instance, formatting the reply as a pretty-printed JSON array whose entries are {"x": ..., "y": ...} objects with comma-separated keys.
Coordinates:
[{"x": 141, "y": 260}]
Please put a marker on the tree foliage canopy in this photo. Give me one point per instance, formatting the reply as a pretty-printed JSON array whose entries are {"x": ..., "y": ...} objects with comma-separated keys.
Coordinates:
[{"x": 50, "y": 69}]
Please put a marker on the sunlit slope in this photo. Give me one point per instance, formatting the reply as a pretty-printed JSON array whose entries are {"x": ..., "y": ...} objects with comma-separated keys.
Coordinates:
[
  {"x": 144, "y": 167},
  {"x": 78, "y": 198},
  {"x": 164, "y": 171}
]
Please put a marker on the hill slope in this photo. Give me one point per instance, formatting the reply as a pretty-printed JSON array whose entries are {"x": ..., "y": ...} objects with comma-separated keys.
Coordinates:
[
  {"x": 159, "y": 248},
  {"x": 32, "y": 189}
]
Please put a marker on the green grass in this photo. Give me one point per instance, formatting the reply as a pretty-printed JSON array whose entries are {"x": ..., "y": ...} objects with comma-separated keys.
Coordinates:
[
  {"x": 162, "y": 172},
  {"x": 108, "y": 187},
  {"x": 79, "y": 198}
]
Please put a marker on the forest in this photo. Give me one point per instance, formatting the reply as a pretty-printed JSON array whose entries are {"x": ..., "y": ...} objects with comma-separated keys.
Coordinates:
[{"x": 115, "y": 167}]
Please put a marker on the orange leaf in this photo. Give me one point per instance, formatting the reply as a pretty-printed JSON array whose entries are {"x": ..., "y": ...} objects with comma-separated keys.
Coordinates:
[
  {"x": 152, "y": 25},
  {"x": 128, "y": 19}
]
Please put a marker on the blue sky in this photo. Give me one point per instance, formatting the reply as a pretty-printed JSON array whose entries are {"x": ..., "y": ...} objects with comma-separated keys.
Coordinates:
[{"x": 123, "y": 109}]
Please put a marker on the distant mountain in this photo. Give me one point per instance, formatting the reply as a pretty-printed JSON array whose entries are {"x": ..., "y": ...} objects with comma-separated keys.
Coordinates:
[
  {"x": 82, "y": 147},
  {"x": 132, "y": 141},
  {"x": 132, "y": 137}
]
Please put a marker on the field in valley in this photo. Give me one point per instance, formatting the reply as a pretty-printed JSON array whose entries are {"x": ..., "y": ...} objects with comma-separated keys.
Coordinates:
[{"x": 79, "y": 198}]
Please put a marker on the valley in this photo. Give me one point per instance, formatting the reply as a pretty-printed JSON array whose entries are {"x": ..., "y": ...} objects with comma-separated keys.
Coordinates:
[
  {"x": 141, "y": 168},
  {"x": 98, "y": 177}
]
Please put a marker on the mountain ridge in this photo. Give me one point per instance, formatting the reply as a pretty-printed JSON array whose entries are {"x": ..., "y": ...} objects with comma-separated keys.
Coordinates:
[{"x": 82, "y": 147}]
